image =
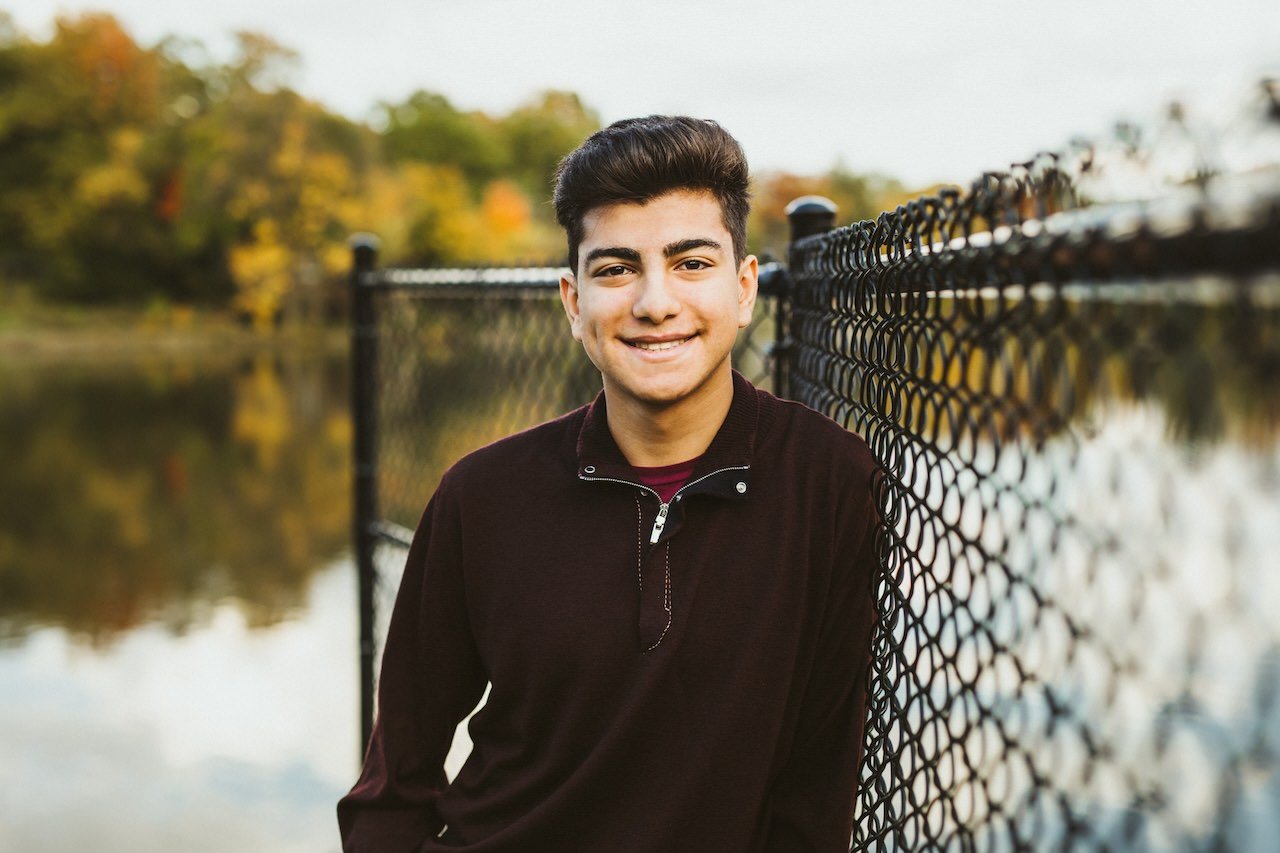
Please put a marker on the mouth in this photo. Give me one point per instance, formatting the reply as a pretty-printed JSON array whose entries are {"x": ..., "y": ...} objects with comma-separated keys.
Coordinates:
[{"x": 658, "y": 345}]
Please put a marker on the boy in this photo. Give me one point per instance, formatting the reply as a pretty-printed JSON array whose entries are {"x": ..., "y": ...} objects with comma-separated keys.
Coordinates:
[{"x": 668, "y": 590}]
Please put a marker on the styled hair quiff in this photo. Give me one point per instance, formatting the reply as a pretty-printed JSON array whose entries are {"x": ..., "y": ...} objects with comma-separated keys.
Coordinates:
[{"x": 638, "y": 159}]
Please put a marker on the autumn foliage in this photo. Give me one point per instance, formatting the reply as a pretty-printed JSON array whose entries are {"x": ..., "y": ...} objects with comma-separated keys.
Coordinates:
[{"x": 130, "y": 174}]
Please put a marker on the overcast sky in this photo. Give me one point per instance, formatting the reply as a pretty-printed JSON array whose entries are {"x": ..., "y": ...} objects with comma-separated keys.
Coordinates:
[{"x": 927, "y": 90}]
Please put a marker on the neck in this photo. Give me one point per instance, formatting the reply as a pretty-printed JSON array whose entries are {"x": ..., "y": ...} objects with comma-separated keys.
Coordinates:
[{"x": 652, "y": 436}]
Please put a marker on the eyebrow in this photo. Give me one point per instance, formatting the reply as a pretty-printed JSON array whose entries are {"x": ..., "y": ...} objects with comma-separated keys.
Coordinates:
[
  {"x": 679, "y": 247},
  {"x": 622, "y": 254},
  {"x": 668, "y": 251}
]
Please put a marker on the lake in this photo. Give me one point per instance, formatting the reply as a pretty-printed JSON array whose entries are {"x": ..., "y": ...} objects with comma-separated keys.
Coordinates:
[{"x": 178, "y": 663}]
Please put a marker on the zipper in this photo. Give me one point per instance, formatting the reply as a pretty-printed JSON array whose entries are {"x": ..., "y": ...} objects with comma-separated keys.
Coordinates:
[
  {"x": 663, "y": 508},
  {"x": 659, "y": 523},
  {"x": 705, "y": 476}
]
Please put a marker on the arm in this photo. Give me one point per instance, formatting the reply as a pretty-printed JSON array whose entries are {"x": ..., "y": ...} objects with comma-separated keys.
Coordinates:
[
  {"x": 811, "y": 803},
  {"x": 431, "y": 678}
]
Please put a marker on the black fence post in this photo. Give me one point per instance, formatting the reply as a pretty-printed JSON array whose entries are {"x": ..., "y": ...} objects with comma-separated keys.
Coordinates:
[
  {"x": 364, "y": 357},
  {"x": 808, "y": 215}
]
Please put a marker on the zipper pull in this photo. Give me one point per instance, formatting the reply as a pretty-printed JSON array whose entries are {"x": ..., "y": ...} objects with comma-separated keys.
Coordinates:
[{"x": 659, "y": 523}]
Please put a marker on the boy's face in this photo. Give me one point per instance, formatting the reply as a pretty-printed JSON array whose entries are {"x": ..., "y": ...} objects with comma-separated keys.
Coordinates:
[{"x": 657, "y": 299}]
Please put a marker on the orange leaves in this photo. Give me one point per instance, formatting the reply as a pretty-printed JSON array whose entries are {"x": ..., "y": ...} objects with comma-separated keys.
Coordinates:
[
  {"x": 122, "y": 78},
  {"x": 168, "y": 202},
  {"x": 505, "y": 210},
  {"x": 857, "y": 196}
]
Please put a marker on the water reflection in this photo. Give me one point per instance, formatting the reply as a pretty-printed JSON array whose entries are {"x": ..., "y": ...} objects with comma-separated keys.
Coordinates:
[
  {"x": 1001, "y": 365},
  {"x": 177, "y": 613},
  {"x": 151, "y": 491},
  {"x": 221, "y": 739}
]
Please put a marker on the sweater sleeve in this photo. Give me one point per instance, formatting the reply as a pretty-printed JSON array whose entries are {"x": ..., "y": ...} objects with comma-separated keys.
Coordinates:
[
  {"x": 431, "y": 679},
  {"x": 811, "y": 802}
]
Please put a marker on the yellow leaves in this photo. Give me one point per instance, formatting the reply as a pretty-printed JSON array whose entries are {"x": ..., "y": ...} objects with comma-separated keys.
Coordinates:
[
  {"x": 118, "y": 180},
  {"x": 335, "y": 258},
  {"x": 421, "y": 212},
  {"x": 252, "y": 197},
  {"x": 425, "y": 213},
  {"x": 152, "y": 177},
  {"x": 139, "y": 491},
  {"x": 262, "y": 271},
  {"x": 297, "y": 207},
  {"x": 109, "y": 184},
  {"x": 290, "y": 157},
  {"x": 261, "y": 418},
  {"x": 323, "y": 180}
]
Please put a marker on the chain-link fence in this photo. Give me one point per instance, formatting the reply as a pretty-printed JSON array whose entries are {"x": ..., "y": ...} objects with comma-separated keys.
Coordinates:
[
  {"x": 1070, "y": 373},
  {"x": 1078, "y": 645}
]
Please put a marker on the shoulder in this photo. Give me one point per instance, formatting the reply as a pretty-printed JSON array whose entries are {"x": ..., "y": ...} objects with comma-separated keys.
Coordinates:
[
  {"x": 804, "y": 438},
  {"x": 826, "y": 475}
]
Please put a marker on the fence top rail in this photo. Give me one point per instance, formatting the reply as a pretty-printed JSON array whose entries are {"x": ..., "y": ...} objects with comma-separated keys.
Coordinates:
[
  {"x": 501, "y": 279},
  {"x": 1184, "y": 233}
]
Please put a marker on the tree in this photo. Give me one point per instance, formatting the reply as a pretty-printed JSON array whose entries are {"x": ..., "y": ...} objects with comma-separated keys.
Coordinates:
[
  {"x": 73, "y": 116},
  {"x": 858, "y": 196},
  {"x": 269, "y": 178},
  {"x": 426, "y": 128},
  {"x": 540, "y": 132}
]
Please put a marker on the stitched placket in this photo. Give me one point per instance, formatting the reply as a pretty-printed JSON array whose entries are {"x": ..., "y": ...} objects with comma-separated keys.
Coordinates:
[
  {"x": 656, "y": 525},
  {"x": 653, "y": 576}
]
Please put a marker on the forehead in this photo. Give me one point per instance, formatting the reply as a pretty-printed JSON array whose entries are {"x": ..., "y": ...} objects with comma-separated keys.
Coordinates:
[{"x": 673, "y": 216}]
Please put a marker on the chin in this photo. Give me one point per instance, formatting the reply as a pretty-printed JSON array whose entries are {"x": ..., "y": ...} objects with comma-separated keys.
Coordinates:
[{"x": 659, "y": 394}]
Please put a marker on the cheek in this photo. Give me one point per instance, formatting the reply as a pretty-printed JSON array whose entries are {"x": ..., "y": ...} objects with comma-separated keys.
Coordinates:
[{"x": 598, "y": 315}]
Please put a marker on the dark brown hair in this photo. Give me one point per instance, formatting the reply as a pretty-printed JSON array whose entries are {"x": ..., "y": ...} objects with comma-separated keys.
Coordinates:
[{"x": 638, "y": 159}]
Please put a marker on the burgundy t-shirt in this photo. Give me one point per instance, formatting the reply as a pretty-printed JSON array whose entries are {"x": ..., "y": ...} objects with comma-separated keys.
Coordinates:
[{"x": 666, "y": 480}]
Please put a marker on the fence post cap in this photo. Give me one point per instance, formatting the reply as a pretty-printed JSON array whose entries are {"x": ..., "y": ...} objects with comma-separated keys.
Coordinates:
[
  {"x": 809, "y": 205},
  {"x": 811, "y": 214},
  {"x": 364, "y": 253},
  {"x": 364, "y": 240}
]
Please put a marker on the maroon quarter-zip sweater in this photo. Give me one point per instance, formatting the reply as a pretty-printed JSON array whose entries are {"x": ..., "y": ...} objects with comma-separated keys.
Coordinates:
[{"x": 695, "y": 683}]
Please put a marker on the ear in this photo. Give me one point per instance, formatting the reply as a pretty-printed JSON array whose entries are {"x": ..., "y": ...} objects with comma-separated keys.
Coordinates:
[
  {"x": 569, "y": 299},
  {"x": 748, "y": 285}
]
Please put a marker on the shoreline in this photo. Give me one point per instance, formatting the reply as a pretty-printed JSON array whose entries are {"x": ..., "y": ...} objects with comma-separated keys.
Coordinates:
[{"x": 132, "y": 338}]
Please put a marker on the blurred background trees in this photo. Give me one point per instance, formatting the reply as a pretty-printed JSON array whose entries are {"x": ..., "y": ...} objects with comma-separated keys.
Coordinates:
[{"x": 134, "y": 175}]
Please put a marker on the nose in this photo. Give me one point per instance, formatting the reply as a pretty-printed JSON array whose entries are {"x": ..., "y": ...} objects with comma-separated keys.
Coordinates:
[{"x": 657, "y": 299}]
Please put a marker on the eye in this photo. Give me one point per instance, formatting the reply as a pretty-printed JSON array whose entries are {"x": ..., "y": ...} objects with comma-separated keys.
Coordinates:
[
  {"x": 694, "y": 264},
  {"x": 611, "y": 270}
]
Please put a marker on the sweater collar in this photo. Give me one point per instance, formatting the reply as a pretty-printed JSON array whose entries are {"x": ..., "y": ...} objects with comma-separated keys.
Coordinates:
[{"x": 733, "y": 445}]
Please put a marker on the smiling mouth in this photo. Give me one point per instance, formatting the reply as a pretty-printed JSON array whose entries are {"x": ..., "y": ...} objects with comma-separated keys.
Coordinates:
[{"x": 659, "y": 346}]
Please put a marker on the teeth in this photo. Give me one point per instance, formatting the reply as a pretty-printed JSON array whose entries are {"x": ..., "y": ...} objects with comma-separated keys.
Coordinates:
[{"x": 659, "y": 347}]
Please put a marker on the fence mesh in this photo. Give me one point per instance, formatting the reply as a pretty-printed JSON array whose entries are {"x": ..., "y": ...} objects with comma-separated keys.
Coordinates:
[{"x": 1077, "y": 413}]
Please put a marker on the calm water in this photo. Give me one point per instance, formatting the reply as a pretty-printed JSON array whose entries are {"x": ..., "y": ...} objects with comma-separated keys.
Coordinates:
[{"x": 177, "y": 605}]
